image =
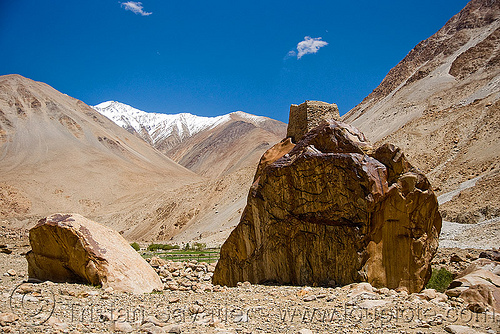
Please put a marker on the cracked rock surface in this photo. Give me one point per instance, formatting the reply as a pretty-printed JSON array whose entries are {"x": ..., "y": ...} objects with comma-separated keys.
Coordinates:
[{"x": 331, "y": 208}]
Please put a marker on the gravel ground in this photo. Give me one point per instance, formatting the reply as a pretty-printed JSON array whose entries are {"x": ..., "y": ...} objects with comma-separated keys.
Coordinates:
[{"x": 356, "y": 308}]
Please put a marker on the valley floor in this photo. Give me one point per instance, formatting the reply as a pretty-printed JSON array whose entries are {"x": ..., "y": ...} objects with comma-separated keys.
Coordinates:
[{"x": 79, "y": 308}]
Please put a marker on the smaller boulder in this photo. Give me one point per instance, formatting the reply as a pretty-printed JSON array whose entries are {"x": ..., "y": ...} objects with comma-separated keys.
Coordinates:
[{"x": 72, "y": 248}]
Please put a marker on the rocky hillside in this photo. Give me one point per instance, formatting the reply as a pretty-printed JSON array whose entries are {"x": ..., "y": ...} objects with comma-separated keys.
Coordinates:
[
  {"x": 440, "y": 104},
  {"x": 57, "y": 153},
  {"x": 209, "y": 146}
]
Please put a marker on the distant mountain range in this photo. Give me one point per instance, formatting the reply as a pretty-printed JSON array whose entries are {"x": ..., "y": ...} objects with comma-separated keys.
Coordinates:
[
  {"x": 57, "y": 154},
  {"x": 209, "y": 146},
  {"x": 156, "y": 128}
]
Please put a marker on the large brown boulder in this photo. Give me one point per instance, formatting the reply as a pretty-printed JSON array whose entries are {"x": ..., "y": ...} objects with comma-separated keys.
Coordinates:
[
  {"x": 72, "y": 248},
  {"x": 331, "y": 208}
]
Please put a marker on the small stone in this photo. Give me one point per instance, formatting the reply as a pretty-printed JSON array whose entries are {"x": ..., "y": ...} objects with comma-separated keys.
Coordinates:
[
  {"x": 122, "y": 326},
  {"x": 458, "y": 329},
  {"x": 11, "y": 272},
  {"x": 25, "y": 288},
  {"x": 83, "y": 294},
  {"x": 310, "y": 298},
  {"x": 7, "y": 318},
  {"x": 6, "y": 251},
  {"x": 172, "y": 300},
  {"x": 477, "y": 307},
  {"x": 58, "y": 324},
  {"x": 455, "y": 258},
  {"x": 305, "y": 331},
  {"x": 216, "y": 323},
  {"x": 66, "y": 292},
  {"x": 195, "y": 309},
  {"x": 440, "y": 297},
  {"x": 175, "y": 329},
  {"x": 304, "y": 291},
  {"x": 369, "y": 304},
  {"x": 429, "y": 293},
  {"x": 150, "y": 328},
  {"x": 456, "y": 292},
  {"x": 154, "y": 321}
]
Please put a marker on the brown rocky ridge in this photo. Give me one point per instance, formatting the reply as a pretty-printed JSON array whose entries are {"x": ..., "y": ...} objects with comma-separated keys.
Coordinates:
[
  {"x": 332, "y": 209},
  {"x": 441, "y": 105}
]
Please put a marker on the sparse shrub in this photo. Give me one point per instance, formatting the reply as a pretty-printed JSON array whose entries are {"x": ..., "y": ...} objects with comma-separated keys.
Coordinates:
[
  {"x": 135, "y": 246},
  {"x": 187, "y": 247},
  {"x": 155, "y": 247},
  {"x": 440, "y": 280}
]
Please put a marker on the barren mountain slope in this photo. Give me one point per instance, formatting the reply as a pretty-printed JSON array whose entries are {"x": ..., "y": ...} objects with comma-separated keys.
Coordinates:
[
  {"x": 232, "y": 145},
  {"x": 209, "y": 146},
  {"x": 58, "y": 154},
  {"x": 441, "y": 105}
]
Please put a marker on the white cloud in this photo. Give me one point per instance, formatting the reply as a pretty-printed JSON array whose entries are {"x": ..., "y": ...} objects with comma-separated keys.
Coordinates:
[
  {"x": 135, "y": 7},
  {"x": 308, "y": 46}
]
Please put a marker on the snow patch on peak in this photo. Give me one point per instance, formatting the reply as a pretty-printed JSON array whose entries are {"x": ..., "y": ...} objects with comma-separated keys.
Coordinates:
[{"x": 249, "y": 117}]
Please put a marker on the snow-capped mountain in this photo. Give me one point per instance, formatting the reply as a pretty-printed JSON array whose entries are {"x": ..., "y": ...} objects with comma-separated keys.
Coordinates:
[
  {"x": 166, "y": 130},
  {"x": 209, "y": 146},
  {"x": 155, "y": 127}
]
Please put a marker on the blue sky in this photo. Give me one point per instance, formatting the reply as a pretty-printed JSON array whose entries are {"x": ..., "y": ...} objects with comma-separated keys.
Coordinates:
[{"x": 213, "y": 57}]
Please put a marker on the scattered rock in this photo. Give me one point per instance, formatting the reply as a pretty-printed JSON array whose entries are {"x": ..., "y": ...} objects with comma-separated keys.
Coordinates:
[
  {"x": 154, "y": 321},
  {"x": 369, "y": 304},
  {"x": 456, "y": 258},
  {"x": 478, "y": 285},
  {"x": 309, "y": 298},
  {"x": 71, "y": 248},
  {"x": 156, "y": 262},
  {"x": 58, "y": 325},
  {"x": 458, "y": 329},
  {"x": 176, "y": 329},
  {"x": 11, "y": 272},
  {"x": 491, "y": 255},
  {"x": 429, "y": 293},
  {"x": 67, "y": 292},
  {"x": 122, "y": 326}
]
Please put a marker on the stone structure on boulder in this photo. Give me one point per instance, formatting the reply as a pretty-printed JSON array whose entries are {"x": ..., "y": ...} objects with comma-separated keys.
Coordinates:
[
  {"x": 72, "y": 248},
  {"x": 331, "y": 208},
  {"x": 306, "y": 116}
]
